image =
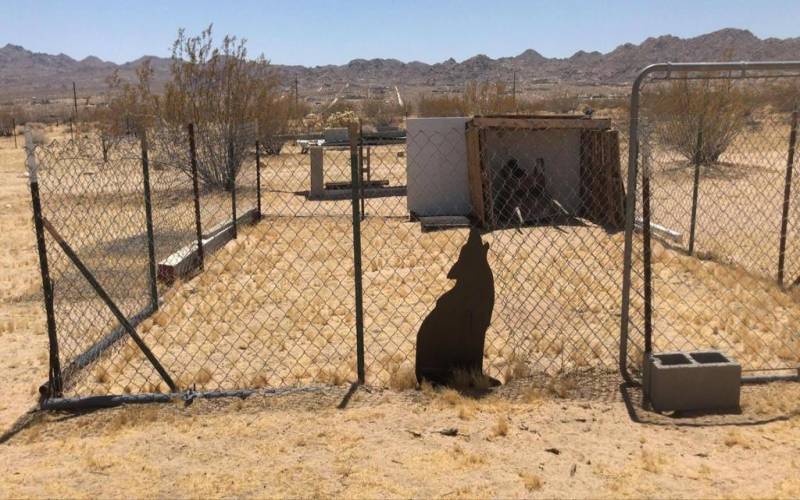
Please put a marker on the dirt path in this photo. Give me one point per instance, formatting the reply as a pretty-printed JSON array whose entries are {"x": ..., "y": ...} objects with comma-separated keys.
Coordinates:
[{"x": 389, "y": 444}]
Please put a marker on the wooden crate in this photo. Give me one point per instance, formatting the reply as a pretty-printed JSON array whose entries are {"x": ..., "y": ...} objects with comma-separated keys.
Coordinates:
[{"x": 595, "y": 185}]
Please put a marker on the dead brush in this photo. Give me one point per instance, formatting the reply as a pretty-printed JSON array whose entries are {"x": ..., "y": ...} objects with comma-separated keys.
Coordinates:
[
  {"x": 470, "y": 379},
  {"x": 500, "y": 428},
  {"x": 403, "y": 377},
  {"x": 531, "y": 481},
  {"x": 652, "y": 462}
]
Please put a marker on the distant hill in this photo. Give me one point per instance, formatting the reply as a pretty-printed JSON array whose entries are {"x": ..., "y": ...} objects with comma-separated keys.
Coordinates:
[{"x": 27, "y": 74}]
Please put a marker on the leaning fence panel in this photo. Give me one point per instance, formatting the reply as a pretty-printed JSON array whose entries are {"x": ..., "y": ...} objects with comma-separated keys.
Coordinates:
[
  {"x": 92, "y": 197},
  {"x": 717, "y": 190}
]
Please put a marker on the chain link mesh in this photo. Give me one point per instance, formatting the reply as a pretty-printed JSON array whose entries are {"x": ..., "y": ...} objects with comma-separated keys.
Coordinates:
[
  {"x": 271, "y": 299},
  {"x": 714, "y": 147}
]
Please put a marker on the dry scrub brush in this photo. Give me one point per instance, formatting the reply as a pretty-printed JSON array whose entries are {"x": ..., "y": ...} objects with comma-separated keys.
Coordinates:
[
  {"x": 699, "y": 119},
  {"x": 229, "y": 97}
]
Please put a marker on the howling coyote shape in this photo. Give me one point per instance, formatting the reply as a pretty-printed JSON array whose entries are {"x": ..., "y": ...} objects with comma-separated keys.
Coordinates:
[{"x": 452, "y": 335}]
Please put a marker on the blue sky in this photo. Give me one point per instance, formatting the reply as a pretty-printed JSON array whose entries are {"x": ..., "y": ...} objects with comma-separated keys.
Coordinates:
[{"x": 314, "y": 32}]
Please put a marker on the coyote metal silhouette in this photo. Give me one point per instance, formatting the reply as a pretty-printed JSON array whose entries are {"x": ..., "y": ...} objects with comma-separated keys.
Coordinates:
[{"x": 452, "y": 336}]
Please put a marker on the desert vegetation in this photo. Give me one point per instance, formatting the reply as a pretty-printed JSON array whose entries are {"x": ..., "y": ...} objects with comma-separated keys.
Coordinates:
[
  {"x": 699, "y": 119},
  {"x": 484, "y": 98}
]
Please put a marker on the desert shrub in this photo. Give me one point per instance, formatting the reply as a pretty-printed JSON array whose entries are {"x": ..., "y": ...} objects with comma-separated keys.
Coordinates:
[
  {"x": 564, "y": 103},
  {"x": 9, "y": 116},
  {"x": 341, "y": 119},
  {"x": 782, "y": 96},
  {"x": 132, "y": 107},
  {"x": 380, "y": 112},
  {"x": 227, "y": 96},
  {"x": 232, "y": 100},
  {"x": 6, "y": 124},
  {"x": 38, "y": 135},
  {"x": 476, "y": 99},
  {"x": 493, "y": 99},
  {"x": 699, "y": 119},
  {"x": 444, "y": 105}
]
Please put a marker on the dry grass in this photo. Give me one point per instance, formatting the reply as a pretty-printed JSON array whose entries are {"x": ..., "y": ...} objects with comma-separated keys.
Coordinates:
[
  {"x": 276, "y": 306},
  {"x": 215, "y": 449},
  {"x": 531, "y": 481},
  {"x": 500, "y": 428}
]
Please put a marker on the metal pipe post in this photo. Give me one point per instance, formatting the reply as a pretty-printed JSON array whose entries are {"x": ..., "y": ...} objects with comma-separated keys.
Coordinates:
[
  {"x": 55, "y": 384},
  {"x": 148, "y": 216},
  {"x": 695, "y": 190},
  {"x": 646, "y": 255},
  {"x": 258, "y": 178},
  {"x": 355, "y": 180},
  {"x": 787, "y": 191},
  {"x": 198, "y": 224},
  {"x": 232, "y": 177}
]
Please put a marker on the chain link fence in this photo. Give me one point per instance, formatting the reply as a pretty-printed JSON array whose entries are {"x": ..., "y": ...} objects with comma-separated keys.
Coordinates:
[
  {"x": 218, "y": 261},
  {"x": 714, "y": 237}
]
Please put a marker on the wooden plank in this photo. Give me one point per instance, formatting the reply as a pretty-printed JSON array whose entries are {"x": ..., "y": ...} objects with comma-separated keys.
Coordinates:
[
  {"x": 474, "y": 173},
  {"x": 432, "y": 223},
  {"x": 542, "y": 123},
  {"x": 367, "y": 184},
  {"x": 371, "y": 192},
  {"x": 186, "y": 259},
  {"x": 659, "y": 230},
  {"x": 543, "y": 116},
  {"x": 602, "y": 192}
]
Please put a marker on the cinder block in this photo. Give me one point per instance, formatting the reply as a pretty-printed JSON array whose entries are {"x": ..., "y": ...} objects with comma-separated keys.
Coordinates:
[{"x": 692, "y": 381}]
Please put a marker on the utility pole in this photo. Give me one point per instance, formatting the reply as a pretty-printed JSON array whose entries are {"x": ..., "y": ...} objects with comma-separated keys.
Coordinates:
[
  {"x": 74, "y": 101},
  {"x": 14, "y": 130},
  {"x": 514, "y": 90},
  {"x": 296, "y": 95}
]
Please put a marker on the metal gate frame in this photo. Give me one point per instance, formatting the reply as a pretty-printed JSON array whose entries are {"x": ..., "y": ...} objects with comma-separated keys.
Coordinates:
[{"x": 630, "y": 207}]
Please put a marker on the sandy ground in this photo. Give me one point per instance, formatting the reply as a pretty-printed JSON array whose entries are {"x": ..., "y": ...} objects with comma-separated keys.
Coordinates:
[
  {"x": 389, "y": 444},
  {"x": 560, "y": 437},
  {"x": 23, "y": 340}
]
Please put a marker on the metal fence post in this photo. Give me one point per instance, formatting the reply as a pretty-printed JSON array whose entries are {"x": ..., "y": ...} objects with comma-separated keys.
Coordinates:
[
  {"x": 787, "y": 191},
  {"x": 646, "y": 255},
  {"x": 148, "y": 214},
  {"x": 258, "y": 178},
  {"x": 695, "y": 190},
  {"x": 198, "y": 224},
  {"x": 104, "y": 147},
  {"x": 355, "y": 180},
  {"x": 361, "y": 170},
  {"x": 55, "y": 385},
  {"x": 232, "y": 178}
]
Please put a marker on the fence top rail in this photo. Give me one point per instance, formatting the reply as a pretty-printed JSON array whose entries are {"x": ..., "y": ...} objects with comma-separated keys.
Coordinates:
[{"x": 715, "y": 66}]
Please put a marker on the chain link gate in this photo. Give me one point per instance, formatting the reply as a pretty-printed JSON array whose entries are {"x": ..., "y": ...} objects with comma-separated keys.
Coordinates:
[{"x": 712, "y": 257}]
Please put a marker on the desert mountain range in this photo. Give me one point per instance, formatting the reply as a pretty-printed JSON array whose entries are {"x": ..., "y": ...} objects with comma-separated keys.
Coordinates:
[{"x": 25, "y": 74}]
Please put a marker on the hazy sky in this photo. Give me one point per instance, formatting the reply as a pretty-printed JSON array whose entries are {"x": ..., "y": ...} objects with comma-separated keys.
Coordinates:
[{"x": 314, "y": 32}]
